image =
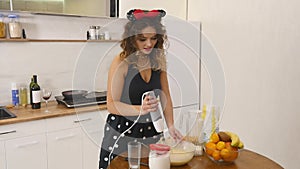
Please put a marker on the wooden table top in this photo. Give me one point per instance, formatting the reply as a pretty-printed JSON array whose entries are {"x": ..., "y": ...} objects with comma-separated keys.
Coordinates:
[{"x": 246, "y": 160}]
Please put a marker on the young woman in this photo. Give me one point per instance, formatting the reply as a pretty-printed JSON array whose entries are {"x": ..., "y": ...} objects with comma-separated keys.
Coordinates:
[{"x": 139, "y": 68}]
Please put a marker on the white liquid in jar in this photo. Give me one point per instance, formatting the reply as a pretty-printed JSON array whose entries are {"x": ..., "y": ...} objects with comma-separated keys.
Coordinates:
[
  {"x": 159, "y": 161},
  {"x": 134, "y": 167},
  {"x": 15, "y": 30}
]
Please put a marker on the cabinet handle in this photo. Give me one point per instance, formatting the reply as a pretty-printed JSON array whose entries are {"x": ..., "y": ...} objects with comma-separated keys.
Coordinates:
[
  {"x": 7, "y": 132},
  {"x": 27, "y": 144},
  {"x": 82, "y": 120},
  {"x": 64, "y": 137}
]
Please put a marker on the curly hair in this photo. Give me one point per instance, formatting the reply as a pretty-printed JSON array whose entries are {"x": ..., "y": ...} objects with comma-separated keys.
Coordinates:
[{"x": 128, "y": 43}]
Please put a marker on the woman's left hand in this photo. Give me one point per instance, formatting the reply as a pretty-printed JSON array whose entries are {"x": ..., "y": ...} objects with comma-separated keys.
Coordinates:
[{"x": 174, "y": 133}]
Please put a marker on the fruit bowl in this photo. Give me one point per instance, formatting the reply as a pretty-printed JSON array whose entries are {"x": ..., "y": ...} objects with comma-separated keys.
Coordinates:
[
  {"x": 223, "y": 147},
  {"x": 228, "y": 154}
]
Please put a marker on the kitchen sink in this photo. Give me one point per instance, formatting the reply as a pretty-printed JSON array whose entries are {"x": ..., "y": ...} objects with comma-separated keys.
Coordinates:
[{"x": 6, "y": 114}]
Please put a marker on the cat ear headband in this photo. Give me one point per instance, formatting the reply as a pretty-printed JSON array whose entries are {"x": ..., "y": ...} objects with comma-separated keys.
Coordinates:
[{"x": 137, "y": 14}]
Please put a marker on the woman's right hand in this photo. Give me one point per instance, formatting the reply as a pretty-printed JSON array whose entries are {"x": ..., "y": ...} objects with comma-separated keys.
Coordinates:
[{"x": 149, "y": 104}]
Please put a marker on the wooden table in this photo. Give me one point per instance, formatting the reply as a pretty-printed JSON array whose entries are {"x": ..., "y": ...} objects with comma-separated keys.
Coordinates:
[{"x": 246, "y": 160}]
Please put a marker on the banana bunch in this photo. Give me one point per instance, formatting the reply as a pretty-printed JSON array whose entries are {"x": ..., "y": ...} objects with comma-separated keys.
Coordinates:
[
  {"x": 231, "y": 137},
  {"x": 235, "y": 140}
]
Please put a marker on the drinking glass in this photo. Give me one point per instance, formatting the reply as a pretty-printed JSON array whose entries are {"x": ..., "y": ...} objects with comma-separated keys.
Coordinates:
[
  {"x": 23, "y": 96},
  {"x": 134, "y": 154},
  {"x": 46, "y": 93}
]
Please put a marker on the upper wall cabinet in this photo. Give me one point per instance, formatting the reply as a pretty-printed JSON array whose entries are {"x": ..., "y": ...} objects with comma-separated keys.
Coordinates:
[{"x": 70, "y": 7}]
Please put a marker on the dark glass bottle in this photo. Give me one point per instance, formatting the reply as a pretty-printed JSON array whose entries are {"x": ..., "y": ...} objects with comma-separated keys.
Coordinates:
[{"x": 36, "y": 94}]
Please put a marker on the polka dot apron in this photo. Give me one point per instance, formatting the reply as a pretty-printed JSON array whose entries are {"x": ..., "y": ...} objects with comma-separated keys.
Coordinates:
[{"x": 143, "y": 131}]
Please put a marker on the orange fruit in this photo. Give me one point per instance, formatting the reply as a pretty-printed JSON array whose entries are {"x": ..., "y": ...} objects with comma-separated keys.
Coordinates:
[
  {"x": 233, "y": 154},
  {"x": 225, "y": 154},
  {"x": 220, "y": 145},
  {"x": 214, "y": 138},
  {"x": 210, "y": 147},
  {"x": 228, "y": 145},
  {"x": 216, "y": 155}
]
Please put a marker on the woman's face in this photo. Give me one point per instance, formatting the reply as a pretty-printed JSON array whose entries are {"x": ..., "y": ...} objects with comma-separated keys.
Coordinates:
[{"x": 146, "y": 41}]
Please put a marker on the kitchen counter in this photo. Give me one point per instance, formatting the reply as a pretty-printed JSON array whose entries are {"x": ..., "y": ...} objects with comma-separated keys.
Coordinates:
[{"x": 28, "y": 114}]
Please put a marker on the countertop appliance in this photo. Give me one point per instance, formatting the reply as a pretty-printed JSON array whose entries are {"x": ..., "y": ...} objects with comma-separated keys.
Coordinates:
[
  {"x": 92, "y": 98},
  {"x": 6, "y": 114}
]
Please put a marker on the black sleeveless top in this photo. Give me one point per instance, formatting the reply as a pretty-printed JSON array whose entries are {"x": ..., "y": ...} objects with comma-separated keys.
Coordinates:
[{"x": 135, "y": 86}]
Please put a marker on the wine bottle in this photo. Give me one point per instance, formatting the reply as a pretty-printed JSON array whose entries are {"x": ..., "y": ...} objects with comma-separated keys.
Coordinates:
[
  {"x": 30, "y": 85},
  {"x": 36, "y": 94}
]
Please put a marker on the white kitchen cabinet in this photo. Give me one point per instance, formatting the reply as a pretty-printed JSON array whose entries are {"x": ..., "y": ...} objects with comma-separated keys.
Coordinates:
[
  {"x": 26, "y": 152},
  {"x": 23, "y": 145},
  {"x": 64, "y": 143},
  {"x": 2, "y": 155},
  {"x": 65, "y": 149},
  {"x": 24, "y": 129},
  {"x": 62, "y": 123},
  {"x": 92, "y": 125},
  {"x": 90, "y": 153},
  {"x": 71, "y": 141}
]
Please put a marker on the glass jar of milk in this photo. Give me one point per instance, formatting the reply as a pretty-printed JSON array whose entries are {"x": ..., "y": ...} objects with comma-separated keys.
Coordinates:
[
  {"x": 159, "y": 156},
  {"x": 14, "y": 27}
]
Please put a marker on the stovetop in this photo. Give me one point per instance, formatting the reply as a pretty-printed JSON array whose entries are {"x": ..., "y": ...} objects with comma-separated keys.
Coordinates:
[{"x": 92, "y": 98}]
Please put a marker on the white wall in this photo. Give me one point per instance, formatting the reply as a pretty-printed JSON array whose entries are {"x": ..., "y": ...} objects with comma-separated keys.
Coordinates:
[{"x": 258, "y": 45}]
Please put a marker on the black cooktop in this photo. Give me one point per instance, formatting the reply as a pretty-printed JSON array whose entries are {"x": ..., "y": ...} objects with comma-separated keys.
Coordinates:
[{"x": 92, "y": 98}]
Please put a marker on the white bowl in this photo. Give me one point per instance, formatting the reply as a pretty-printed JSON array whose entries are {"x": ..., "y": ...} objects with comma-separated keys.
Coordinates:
[{"x": 181, "y": 153}]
